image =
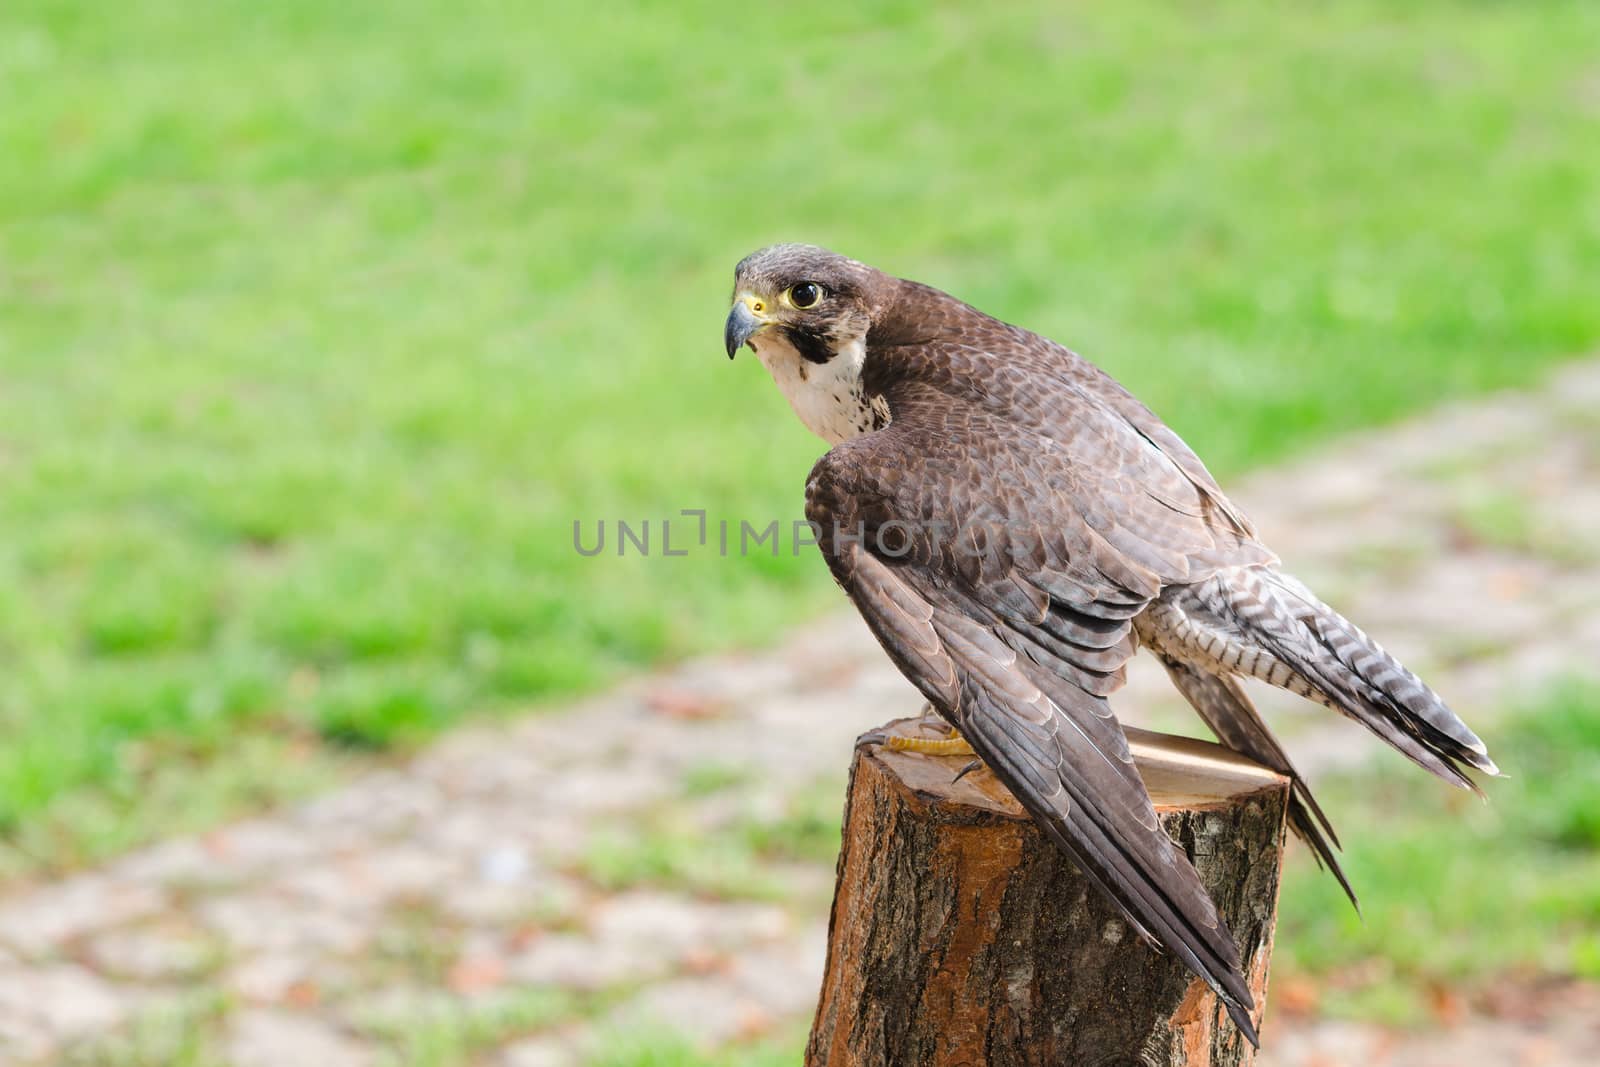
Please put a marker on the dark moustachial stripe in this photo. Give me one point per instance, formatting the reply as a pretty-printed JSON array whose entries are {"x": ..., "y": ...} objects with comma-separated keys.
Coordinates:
[{"x": 813, "y": 347}]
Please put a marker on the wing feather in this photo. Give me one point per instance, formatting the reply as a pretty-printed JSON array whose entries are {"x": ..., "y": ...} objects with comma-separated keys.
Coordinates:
[{"x": 1042, "y": 523}]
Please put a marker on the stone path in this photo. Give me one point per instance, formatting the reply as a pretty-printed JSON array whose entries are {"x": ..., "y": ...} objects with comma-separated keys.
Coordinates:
[{"x": 543, "y": 893}]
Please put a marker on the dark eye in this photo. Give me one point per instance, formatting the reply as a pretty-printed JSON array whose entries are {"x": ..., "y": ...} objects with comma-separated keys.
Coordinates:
[{"x": 805, "y": 295}]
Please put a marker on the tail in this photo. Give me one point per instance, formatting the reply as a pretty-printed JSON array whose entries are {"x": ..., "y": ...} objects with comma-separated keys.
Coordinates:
[
  {"x": 1362, "y": 680},
  {"x": 1260, "y": 622}
]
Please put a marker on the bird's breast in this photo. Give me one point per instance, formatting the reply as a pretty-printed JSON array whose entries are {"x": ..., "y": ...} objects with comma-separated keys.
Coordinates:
[{"x": 829, "y": 398}]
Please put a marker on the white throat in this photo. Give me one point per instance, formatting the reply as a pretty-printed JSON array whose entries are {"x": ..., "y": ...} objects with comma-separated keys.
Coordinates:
[{"x": 828, "y": 397}]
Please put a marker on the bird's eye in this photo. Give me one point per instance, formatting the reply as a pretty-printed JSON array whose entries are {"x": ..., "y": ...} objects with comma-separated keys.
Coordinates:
[{"x": 805, "y": 295}]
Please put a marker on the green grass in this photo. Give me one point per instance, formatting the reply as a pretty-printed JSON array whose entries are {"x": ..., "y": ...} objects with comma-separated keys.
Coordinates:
[
  {"x": 713, "y": 776},
  {"x": 1456, "y": 892},
  {"x": 736, "y": 860},
  {"x": 320, "y": 324},
  {"x": 443, "y": 1032},
  {"x": 1513, "y": 522},
  {"x": 457, "y": 1033},
  {"x": 184, "y": 1033}
]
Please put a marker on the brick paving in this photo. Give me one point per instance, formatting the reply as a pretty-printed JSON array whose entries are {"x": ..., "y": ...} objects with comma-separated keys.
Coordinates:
[{"x": 521, "y": 894}]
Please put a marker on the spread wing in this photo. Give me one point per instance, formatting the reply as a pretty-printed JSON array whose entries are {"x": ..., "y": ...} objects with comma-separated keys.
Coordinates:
[{"x": 999, "y": 556}]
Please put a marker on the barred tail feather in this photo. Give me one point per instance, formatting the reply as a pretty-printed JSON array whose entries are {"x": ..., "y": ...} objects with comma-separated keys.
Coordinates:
[
  {"x": 1261, "y": 623},
  {"x": 1354, "y": 673}
]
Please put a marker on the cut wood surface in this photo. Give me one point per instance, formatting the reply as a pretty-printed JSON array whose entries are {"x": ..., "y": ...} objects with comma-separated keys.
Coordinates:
[{"x": 961, "y": 937}]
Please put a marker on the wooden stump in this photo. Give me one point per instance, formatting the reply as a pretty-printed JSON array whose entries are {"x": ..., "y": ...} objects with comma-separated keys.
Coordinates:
[{"x": 961, "y": 937}]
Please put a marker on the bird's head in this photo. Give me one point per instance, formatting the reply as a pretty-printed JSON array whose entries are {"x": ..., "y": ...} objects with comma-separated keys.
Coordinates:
[{"x": 817, "y": 301}]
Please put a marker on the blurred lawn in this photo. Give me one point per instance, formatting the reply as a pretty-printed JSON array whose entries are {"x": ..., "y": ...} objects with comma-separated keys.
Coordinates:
[
  {"x": 1460, "y": 894},
  {"x": 320, "y": 324}
]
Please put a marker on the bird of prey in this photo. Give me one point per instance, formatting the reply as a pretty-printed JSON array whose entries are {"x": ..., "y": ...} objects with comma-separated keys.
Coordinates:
[{"x": 1013, "y": 525}]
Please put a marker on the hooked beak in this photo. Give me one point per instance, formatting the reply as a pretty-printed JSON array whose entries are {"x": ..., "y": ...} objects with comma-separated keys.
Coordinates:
[{"x": 742, "y": 325}]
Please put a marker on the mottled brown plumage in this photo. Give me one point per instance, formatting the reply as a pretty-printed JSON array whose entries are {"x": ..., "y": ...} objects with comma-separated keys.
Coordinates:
[{"x": 1012, "y": 529}]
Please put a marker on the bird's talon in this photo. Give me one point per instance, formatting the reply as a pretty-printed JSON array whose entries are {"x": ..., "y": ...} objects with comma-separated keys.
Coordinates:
[
  {"x": 968, "y": 769},
  {"x": 872, "y": 737}
]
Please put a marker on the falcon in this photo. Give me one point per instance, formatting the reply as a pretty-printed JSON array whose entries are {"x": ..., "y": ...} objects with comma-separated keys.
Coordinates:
[{"x": 1014, "y": 525}]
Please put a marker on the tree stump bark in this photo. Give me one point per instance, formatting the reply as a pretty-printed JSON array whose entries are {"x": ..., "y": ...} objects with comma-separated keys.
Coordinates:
[{"x": 961, "y": 937}]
